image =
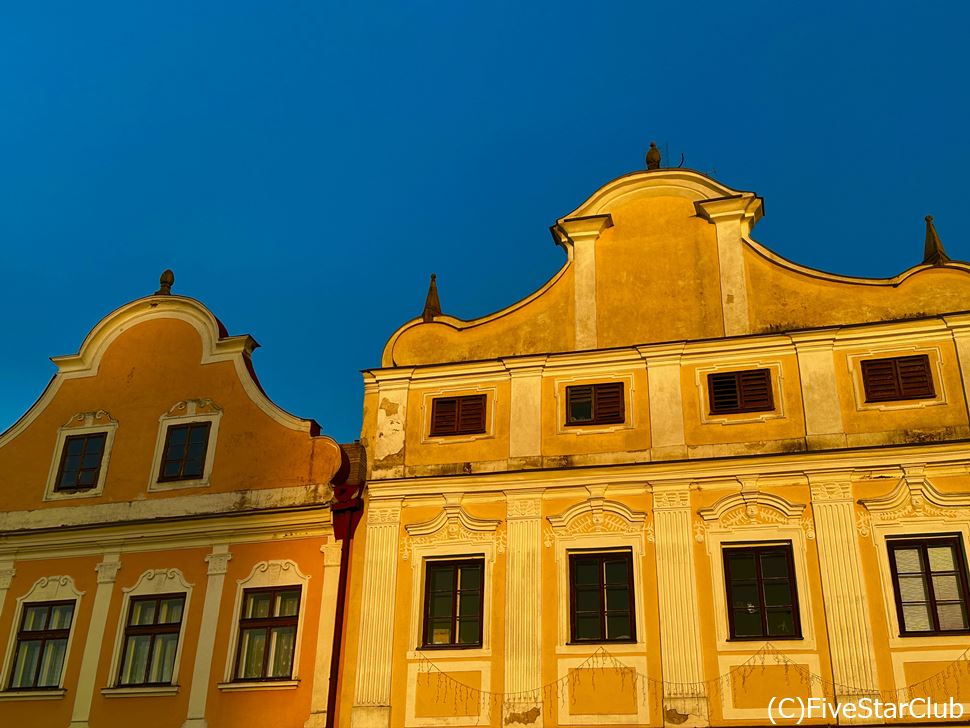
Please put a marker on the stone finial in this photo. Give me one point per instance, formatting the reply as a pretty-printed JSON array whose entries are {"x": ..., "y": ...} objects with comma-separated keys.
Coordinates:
[
  {"x": 432, "y": 306},
  {"x": 653, "y": 156},
  {"x": 165, "y": 283},
  {"x": 933, "y": 252}
]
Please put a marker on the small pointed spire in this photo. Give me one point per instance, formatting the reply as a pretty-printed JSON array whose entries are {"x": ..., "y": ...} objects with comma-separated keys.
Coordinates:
[
  {"x": 432, "y": 306},
  {"x": 165, "y": 283},
  {"x": 933, "y": 252},
  {"x": 653, "y": 156}
]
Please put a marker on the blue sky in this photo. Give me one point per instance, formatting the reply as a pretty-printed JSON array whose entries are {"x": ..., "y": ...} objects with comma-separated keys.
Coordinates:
[{"x": 303, "y": 166}]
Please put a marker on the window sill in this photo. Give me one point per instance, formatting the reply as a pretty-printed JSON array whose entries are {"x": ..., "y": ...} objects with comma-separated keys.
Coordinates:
[
  {"x": 33, "y": 694},
  {"x": 257, "y": 685},
  {"x": 142, "y": 691},
  {"x": 448, "y": 653},
  {"x": 163, "y": 485}
]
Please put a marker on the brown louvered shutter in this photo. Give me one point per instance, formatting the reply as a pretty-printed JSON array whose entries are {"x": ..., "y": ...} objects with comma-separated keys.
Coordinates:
[
  {"x": 915, "y": 380},
  {"x": 608, "y": 403},
  {"x": 471, "y": 414},
  {"x": 747, "y": 391},
  {"x": 755, "y": 387},
  {"x": 904, "y": 377},
  {"x": 444, "y": 416},
  {"x": 579, "y": 405},
  {"x": 723, "y": 392}
]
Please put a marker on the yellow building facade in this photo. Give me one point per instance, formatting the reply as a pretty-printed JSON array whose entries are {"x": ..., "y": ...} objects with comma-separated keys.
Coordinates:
[
  {"x": 167, "y": 555},
  {"x": 683, "y": 478}
]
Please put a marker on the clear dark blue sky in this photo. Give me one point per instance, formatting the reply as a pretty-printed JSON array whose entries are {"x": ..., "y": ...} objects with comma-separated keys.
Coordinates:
[{"x": 304, "y": 166}]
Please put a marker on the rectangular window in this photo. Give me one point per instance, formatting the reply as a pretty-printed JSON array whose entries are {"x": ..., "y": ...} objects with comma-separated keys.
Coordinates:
[
  {"x": 81, "y": 458},
  {"x": 601, "y": 597},
  {"x": 595, "y": 404},
  {"x": 151, "y": 640},
  {"x": 185, "y": 449},
  {"x": 454, "y": 603},
  {"x": 901, "y": 377},
  {"x": 267, "y": 633},
  {"x": 41, "y": 645},
  {"x": 761, "y": 594},
  {"x": 930, "y": 585},
  {"x": 747, "y": 391},
  {"x": 458, "y": 415}
]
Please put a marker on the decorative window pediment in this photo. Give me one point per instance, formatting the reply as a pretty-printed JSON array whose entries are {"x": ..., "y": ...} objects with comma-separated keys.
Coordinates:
[
  {"x": 751, "y": 508},
  {"x": 915, "y": 497},
  {"x": 596, "y": 515},
  {"x": 452, "y": 525}
]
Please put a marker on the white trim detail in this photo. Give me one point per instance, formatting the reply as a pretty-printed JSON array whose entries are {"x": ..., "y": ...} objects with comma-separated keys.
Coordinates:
[
  {"x": 933, "y": 353},
  {"x": 153, "y": 581},
  {"x": 740, "y": 418},
  {"x": 276, "y": 573},
  {"x": 183, "y": 413},
  {"x": 559, "y": 392},
  {"x": 427, "y": 397},
  {"x": 45, "y": 589},
  {"x": 82, "y": 423},
  {"x": 634, "y": 663},
  {"x": 414, "y": 669}
]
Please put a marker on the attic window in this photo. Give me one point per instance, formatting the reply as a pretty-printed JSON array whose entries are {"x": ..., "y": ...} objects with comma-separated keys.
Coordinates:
[
  {"x": 901, "y": 377},
  {"x": 458, "y": 415},
  {"x": 595, "y": 404},
  {"x": 747, "y": 391},
  {"x": 185, "y": 451},
  {"x": 81, "y": 457}
]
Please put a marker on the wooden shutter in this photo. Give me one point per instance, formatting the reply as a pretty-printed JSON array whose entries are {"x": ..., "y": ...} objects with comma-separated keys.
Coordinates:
[
  {"x": 471, "y": 414},
  {"x": 755, "y": 387},
  {"x": 723, "y": 392},
  {"x": 915, "y": 379},
  {"x": 904, "y": 377},
  {"x": 747, "y": 391},
  {"x": 608, "y": 403},
  {"x": 444, "y": 416},
  {"x": 576, "y": 397}
]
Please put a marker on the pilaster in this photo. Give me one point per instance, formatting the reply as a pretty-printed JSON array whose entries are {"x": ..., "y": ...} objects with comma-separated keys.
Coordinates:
[
  {"x": 680, "y": 639},
  {"x": 325, "y": 628},
  {"x": 372, "y": 690},
  {"x": 7, "y": 573},
  {"x": 733, "y": 218},
  {"x": 523, "y": 603},
  {"x": 820, "y": 394},
  {"x": 218, "y": 564},
  {"x": 107, "y": 573},
  {"x": 844, "y": 595},
  {"x": 667, "y": 441},
  {"x": 959, "y": 325},
  {"x": 583, "y": 233}
]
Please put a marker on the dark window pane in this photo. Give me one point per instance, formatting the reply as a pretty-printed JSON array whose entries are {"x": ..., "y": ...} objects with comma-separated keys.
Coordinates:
[
  {"x": 75, "y": 446},
  {"x": 618, "y": 627},
  {"x": 747, "y": 623},
  {"x": 587, "y": 600},
  {"x": 774, "y": 564},
  {"x": 745, "y": 596},
  {"x": 777, "y": 594},
  {"x": 781, "y": 623},
  {"x": 471, "y": 577},
  {"x": 588, "y": 627},
  {"x": 442, "y": 578},
  {"x": 587, "y": 572},
  {"x": 441, "y": 605},
  {"x": 468, "y": 631},
  {"x": 617, "y": 598},
  {"x": 451, "y": 586},
  {"x": 742, "y": 566},
  {"x": 616, "y": 572},
  {"x": 469, "y": 604}
]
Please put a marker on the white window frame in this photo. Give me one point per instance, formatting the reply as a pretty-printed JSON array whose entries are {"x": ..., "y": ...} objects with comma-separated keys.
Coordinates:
[
  {"x": 591, "y": 379},
  {"x": 277, "y": 573},
  {"x": 774, "y": 366},
  {"x": 82, "y": 423},
  {"x": 186, "y": 412},
  {"x": 427, "y": 402},
  {"x": 150, "y": 583},
  {"x": 45, "y": 589}
]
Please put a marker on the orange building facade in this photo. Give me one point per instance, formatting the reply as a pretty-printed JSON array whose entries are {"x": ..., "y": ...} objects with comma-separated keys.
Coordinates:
[{"x": 167, "y": 555}]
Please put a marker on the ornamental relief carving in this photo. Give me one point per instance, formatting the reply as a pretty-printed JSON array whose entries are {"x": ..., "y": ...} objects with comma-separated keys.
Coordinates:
[
  {"x": 671, "y": 499},
  {"x": 913, "y": 499},
  {"x": 831, "y": 491},
  {"x": 596, "y": 516},
  {"x": 524, "y": 507},
  {"x": 452, "y": 525},
  {"x": 90, "y": 419},
  {"x": 752, "y": 508}
]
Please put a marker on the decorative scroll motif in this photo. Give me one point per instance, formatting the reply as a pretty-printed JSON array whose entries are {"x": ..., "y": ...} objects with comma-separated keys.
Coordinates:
[
  {"x": 193, "y": 407},
  {"x": 914, "y": 497},
  {"x": 752, "y": 507},
  {"x": 863, "y": 523},
  {"x": 671, "y": 499},
  {"x": 159, "y": 581},
  {"x": 52, "y": 588},
  {"x": 452, "y": 525},
  {"x": 832, "y": 491},
  {"x": 651, "y": 533},
  {"x": 380, "y": 516},
  {"x": 89, "y": 419},
  {"x": 524, "y": 507}
]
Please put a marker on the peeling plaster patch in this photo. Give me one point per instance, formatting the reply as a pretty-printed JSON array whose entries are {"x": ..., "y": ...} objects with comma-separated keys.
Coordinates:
[
  {"x": 390, "y": 430},
  {"x": 526, "y": 716}
]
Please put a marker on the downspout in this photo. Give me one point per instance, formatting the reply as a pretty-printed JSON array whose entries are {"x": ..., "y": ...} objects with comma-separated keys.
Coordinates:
[{"x": 346, "y": 508}]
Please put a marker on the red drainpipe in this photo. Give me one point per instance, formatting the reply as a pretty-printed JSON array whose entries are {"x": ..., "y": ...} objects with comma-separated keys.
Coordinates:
[{"x": 347, "y": 508}]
